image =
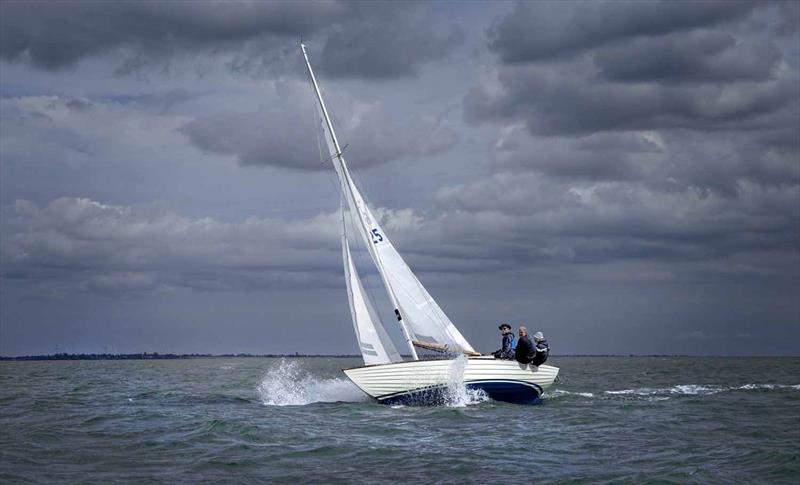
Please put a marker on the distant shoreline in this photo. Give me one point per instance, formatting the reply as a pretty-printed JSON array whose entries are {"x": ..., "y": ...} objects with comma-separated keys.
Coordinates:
[
  {"x": 168, "y": 356},
  {"x": 157, "y": 356}
]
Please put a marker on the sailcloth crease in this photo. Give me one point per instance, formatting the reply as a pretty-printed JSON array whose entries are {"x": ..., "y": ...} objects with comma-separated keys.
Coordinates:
[
  {"x": 374, "y": 343},
  {"x": 423, "y": 316}
]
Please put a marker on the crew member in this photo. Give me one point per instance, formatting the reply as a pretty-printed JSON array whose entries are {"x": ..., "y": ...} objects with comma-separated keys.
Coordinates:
[
  {"x": 542, "y": 349},
  {"x": 525, "y": 351},
  {"x": 507, "y": 347}
]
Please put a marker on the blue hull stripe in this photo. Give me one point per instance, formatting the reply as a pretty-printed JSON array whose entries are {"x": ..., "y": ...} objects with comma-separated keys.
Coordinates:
[{"x": 518, "y": 392}]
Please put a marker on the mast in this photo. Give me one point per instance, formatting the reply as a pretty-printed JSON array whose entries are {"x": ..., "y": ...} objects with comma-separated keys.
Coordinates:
[{"x": 346, "y": 182}]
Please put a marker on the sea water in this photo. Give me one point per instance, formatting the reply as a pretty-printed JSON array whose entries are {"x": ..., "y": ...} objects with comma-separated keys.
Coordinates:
[{"x": 612, "y": 419}]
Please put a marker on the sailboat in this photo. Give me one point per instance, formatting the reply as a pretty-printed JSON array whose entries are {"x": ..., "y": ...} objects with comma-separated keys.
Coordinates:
[{"x": 385, "y": 375}]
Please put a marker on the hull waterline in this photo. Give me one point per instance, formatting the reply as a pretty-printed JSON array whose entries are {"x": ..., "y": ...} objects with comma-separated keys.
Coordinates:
[{"x": 427, "y": 381}]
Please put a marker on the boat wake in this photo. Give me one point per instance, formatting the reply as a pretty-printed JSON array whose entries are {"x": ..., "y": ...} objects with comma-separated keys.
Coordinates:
[
  {"x": 699, "y": 390},
  {"x": 664, "y": 393},
  {"x": 562, "y": 392},
  {"x": 287, "y": 384}
]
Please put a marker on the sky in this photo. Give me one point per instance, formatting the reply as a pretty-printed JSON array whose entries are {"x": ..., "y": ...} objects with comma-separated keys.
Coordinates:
[{"x": 622, "y": 176}]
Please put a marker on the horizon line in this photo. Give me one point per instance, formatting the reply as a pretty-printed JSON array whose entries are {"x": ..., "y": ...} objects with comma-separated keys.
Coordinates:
[{"x": 198, "y": 355}]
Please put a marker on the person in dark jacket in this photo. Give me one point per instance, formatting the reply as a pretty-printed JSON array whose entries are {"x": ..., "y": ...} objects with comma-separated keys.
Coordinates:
[
  {"x": 542, "y": 349},
  {"x": 525, "y": 350},
  {"x": 507, "y": 349}
]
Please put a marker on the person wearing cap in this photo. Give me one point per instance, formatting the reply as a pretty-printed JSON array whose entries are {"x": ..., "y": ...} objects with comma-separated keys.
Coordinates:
[
  {"x": 507, "y": 349},
  {"x": 541, "y": 347}
]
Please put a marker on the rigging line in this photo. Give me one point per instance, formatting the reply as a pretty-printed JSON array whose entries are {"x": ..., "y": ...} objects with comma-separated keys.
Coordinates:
[
  {"x": 359, "y": 255},
  {"x": 332, "y": 178},
  {"x": 317, "y": 123},
  {"x": 346, "y": 264},
  {"x": 316, "y": 119},
  {"x": 357, "y": 180}
]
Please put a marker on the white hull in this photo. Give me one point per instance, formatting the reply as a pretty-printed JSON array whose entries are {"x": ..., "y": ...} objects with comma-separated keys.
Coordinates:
[{"x": 504, "y": 380}]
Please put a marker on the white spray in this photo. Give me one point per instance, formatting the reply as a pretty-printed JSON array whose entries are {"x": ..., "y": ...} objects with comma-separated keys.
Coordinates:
[
  {"x": 457, "y": 394},
  {"x": 287, "y": 384}
]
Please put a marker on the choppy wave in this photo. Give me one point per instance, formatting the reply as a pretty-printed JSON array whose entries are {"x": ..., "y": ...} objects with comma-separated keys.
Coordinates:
[
  {"x": 190, "y": 421},
  {"x": 287, "y": 384}
]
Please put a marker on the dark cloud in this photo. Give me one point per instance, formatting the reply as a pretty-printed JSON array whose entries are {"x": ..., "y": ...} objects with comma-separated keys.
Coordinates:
[
  {"x": 664, "y": 132},
  {"x": 56, "y": 34},
  {"x": 116, "y": 248},
  {"x": 569, "y": 99},
  {"x": 599, "y": 156},
  {"x": 531, "y": 220},
  {"x": 701, "y": 56},
  {"x": 373, "y": 40},
  {"x": 622, "y": 159},
  {"x": 286, "y": 135},
  {"x": 664, "y": 160},
  {"x": 392, "y": 44},
  {"x": 538, "y": 220},
  {"x": 537, "y": 31},
  {"x": 675, "y": 96}
]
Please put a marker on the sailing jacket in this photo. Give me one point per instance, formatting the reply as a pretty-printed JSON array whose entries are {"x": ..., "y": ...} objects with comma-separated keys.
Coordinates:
[
  {"x": 542, "y": 349},
  {"x": 525, "y": 350},
  {"x": 507, "y": 351}
]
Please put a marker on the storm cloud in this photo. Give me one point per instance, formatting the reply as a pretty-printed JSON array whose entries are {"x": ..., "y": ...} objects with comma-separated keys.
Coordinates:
[
  {"x": 646, "y": 97},
  {"x": 356, "y": 35},
  {"x": 96, "y": 246},
  {"x": 281, "y": 134},
  {"x": 612, "y": 173},
  {"x": 545, "y": 30}
]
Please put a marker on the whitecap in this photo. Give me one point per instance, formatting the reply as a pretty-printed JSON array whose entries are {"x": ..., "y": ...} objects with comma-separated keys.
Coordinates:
[{"x": 624, "y": 391}]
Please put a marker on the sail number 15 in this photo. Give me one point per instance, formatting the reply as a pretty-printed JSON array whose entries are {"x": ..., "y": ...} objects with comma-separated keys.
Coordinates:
[{"x": 376, "y": 236}]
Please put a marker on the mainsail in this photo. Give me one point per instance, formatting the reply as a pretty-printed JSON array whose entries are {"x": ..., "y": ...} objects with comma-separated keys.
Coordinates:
[{"x": 422, "y": 320}]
